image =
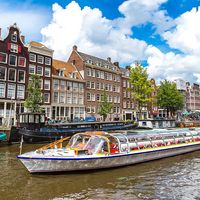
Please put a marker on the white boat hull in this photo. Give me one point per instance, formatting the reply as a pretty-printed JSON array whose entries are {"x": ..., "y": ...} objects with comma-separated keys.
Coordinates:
[{"x": 42, "y": 163}]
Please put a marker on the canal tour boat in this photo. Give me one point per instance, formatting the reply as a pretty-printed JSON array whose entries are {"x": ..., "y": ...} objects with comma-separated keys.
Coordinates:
[{"x": 100, "y": 150}]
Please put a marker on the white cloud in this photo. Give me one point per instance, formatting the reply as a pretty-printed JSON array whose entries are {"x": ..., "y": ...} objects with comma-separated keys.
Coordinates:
[
  {"x": 186, "y": 38},
  {"x": 186, "y": 35},
  {"x": 93, "y": 34},
  {"x": 29, "y": 18}
]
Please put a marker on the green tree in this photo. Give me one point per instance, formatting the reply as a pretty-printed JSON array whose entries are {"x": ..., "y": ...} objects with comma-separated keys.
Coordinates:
[
  {"x": 34, "y": 100},
  {"x": 169, "y": 97},
  {"x": 104, "y": 106},
  {"x": 141, "y": 89}
]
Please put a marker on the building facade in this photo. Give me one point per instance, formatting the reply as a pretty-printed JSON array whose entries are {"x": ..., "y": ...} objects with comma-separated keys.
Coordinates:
[
  {"x": 40, "y": 62},
  {"x": 67, "y": 93},
  {"x": 13, "y": 75},
  {"x": 100, "y": 75}
]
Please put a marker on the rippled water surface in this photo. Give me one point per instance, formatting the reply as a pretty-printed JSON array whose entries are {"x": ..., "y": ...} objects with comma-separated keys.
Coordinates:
[{"x": 171, "y": 178}]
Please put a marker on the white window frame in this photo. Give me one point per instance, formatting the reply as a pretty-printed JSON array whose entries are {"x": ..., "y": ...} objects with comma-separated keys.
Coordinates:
[
  {"x": 14, "y": 40},
  {"x": 45, "y": 83},
  {"x": 9, "y": 75},
  {"x": 6, "y": 57},
  {"x": 24, "y": 61},
  {"x": 18, "y": 76},
  {"x": 40, "y": 61},
  {"x": 15, "y": 59},
  {"x": 14, "y": 48},
  {"x": 41, "y": 71},
  {"x": 22, "y": 91},
  {"x": 34, "y": 56},
  {"x": 48, "y": 97},
  {"x": 47, "y": 69},
  {"x": 47, "y": 61},
  {"x": 11, "y": 84},
  {"x": 5, "y": 73},
  {"x": 3, "y": 89},
  {"x": 33, "y": 67}
]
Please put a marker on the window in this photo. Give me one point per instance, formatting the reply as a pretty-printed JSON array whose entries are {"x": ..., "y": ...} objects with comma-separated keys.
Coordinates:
[
  {"x": 88, "y": 84},
  {"x": 11, "y": 74},
  {"x": 93, "y": 72},
  {"x": 47, "y": 61},
  {"x": 3, "y": 57},
  {"x": 61, "y": 72},
  {"x": 124, "y": 83},
  {"x": 32, "y": 69},
  {"x": 80, "y": 100},
  {"x": 75, "y": 99},
  {"x": 55, "y": 97},
  {"x": 55, "y": 84},
  {"x": 32, "y": 57},
  {"x": 69, "y": 86},
  {"x": 2, "y": 90},
  {"x": 92, "y": 97},
  {"x": 98, "y": 74},
  {"x": 46, "y": 97},
  {"x": 14, "y": 38},
  {"x": 98, "y": 97},
  {"x": 62, "y": 97},
  {"x": 62, "y": 85},
  {"x": 41, "y": 82},
  {"x": 47, "y": 71},
  {"x": 80, "y": 87},
  {"x": 20, "y": 91},
  {"x": 106, "y": 76},
  {"x": 14, "y": 48},
  {"x": 2, "y": 73},
  {"x": 40, "y": 70},
  {"x": 12, "y": 60},
  {"x": 21, "y": 76},
  {"x": 98, "y": 86},
  {"x": 92, "y": 85},
  {"x": 21, "y": 62},
  {"x": 47, "y": 84},
  {"x": 102, "y": 75},
  {"x": 40, "y": 59},
  {"x": 11, "y": 90},
  {"x": 69, "y": 98},
  {"x": 88, "y": 72},
  {"x": 75, "y": 87},
  {"x": 88, "y": 96}
]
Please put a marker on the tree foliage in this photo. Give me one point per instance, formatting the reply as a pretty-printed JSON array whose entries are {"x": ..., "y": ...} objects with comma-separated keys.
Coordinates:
[
  {"x": 169, "y": 97},
  {"x": 34, "y": 100},
  {"x": 105, "y": 107},
  {"x": 141, "y": 87}
]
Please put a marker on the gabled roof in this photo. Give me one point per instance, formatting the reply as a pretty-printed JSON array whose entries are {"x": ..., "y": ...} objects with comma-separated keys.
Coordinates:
[
  {"x": 67, "y": 67},
  {"x": 39, "y": 45},
  {"x": 95, "y": 60}
]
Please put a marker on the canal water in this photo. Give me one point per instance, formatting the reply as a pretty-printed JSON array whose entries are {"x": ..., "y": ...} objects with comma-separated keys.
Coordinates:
[{"x": 175, "y": 178}]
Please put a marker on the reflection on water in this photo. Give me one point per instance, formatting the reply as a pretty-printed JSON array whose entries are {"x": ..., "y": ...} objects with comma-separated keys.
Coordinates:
[{"x": 171, "y": 178}]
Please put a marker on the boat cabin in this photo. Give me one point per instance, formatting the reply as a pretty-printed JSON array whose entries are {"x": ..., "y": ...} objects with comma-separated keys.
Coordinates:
[{"x": 31, "y": 120}]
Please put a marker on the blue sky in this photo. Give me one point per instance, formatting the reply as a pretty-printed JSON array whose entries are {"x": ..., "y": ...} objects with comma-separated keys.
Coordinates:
[{"x": 155, "y": 32}]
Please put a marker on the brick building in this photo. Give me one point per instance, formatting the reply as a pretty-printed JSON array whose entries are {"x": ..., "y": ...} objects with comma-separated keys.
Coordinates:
[
  {"x": 13, "y": 74},
  {"x": 67, "y": 92},
  {"x": 99, "y": 75},
  {"x": 126, "y": 99},
  {"x": 40, "y": 62}
]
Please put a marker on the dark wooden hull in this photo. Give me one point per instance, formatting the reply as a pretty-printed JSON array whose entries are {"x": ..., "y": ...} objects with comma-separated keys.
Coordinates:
[{"x": 49, "y": 134}]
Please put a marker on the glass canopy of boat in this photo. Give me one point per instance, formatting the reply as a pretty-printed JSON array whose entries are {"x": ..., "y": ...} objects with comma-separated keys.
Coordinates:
[{"x": 112, "y": 143}]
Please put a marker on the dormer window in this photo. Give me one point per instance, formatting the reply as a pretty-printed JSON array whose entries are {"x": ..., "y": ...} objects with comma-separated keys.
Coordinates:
[
  {"x": 89, "y": 61},
  {"x": 14, "y": 37},
  {"x": 61, "y": 72}
]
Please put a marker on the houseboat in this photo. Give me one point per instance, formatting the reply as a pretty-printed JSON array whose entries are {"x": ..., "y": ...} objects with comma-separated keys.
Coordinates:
[
  {"x": 100, "y": 150},
  {"x": 35, "y": 130}
]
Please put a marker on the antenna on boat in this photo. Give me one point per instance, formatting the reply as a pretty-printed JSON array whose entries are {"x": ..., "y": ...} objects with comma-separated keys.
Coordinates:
[{"x": 20, "y": 147}]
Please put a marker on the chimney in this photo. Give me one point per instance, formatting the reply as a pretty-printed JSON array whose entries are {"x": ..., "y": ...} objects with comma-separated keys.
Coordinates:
[
  {"x": 109, "y": 59},
  {"x": 116, "y": 64},
  {"x": 23, "y": 38},
  {"x": 74, "y": 48}
]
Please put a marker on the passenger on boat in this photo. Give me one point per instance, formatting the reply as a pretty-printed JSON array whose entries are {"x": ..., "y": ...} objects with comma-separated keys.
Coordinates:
[{"x": 114, "y": 148}]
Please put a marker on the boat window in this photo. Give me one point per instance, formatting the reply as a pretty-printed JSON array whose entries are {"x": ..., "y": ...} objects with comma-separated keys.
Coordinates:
[
  {"x": 31, "y": 118},
  {"x": 37, "y": 119},
  {"x": 96, "y": 145},
  {"x": 42, "y": 118}
]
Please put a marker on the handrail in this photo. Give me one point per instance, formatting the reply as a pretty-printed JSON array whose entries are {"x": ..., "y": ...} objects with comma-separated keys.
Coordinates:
[{"x": 53, "y": 144}]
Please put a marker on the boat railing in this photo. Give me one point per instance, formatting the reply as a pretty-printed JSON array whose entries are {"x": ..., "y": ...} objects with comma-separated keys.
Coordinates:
[{"x": 56, "y": 144}]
